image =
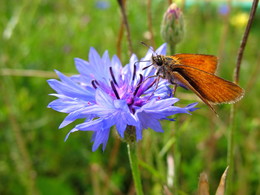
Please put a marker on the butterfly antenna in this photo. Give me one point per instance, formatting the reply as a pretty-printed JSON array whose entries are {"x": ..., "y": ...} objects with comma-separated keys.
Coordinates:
[
  {"x": 142, "y": 61},
  {"x": 147, "y": 66},
  {"x": 149, "y": 47}
]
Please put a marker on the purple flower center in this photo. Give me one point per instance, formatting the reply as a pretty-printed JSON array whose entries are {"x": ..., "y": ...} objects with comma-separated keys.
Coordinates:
[
  {"x": 114, "y": 89},
  {"x": 94, "y": 82},
  {"x": 112, "y": 75}
]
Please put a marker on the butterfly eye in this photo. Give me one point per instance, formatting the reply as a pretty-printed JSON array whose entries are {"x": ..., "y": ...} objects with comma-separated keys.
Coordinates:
[{"x": 159, "y": 61}]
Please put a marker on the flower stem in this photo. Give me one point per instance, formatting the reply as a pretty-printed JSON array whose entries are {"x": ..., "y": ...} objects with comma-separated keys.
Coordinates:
[
  {"x": 172, "y": 49},
  {"x": 230, "y": 156},
  {"x": 244, "y": 39},
  {"x": 230, "y": 152},
  {"x": 125, "y": 21},
  {"x": 149, "y": 22},
  {"x": 134, "y": 167}
]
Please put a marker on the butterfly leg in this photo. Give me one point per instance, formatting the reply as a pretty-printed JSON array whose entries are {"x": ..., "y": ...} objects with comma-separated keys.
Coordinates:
[
  {"x": 145, "y": 80},
  {"x": 174, "y": 89},
  {"x": 156, "y": 85}
]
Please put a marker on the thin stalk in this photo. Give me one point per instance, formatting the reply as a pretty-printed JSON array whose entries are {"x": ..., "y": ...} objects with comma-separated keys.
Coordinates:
[
  {"x": 230, "y": 155},
  {"x": 132, "y": 154},
  {"x": 125, "y": 21},
  {"x": 119, "y": 40},
  {"x": 26, "y": 173},
  {"x": 111, "y": 164},
  {"x": 28, "y": 73},
  {"x": 177, "y": 162},
  {"x": 150, "y": 23},
  {"x": 244, "y": 40},
  {"x": 230, "y": 152},
  {"x": 172, "y": 49}
]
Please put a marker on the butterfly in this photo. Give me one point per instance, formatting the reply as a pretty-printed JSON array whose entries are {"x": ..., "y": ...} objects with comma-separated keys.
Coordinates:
[{"x": 196, "y": 72}]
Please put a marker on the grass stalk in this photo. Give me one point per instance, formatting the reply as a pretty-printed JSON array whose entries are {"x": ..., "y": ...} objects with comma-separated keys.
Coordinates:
[{"x": 230, "y": 156}]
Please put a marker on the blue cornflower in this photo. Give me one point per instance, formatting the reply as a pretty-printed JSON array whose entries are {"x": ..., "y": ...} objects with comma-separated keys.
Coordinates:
[
  {"x": 102, "y": 4},
  {"x": 223, "y": 9},
  {"x": 107, "y": 94}
]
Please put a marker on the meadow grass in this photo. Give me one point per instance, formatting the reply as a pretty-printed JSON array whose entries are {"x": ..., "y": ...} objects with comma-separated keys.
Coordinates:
[{"x": 40, "y": 36}]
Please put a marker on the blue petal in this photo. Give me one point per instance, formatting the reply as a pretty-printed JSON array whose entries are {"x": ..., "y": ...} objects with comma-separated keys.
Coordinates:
[
  {"x": 93, "y": 125},
  {"x": 99, "y": 68},
  {"x": 123, "y": 117},
  {"x": 74, "y": 116},
  {"x": 101, "y": 127},
  {"x": 162, "y": 49},
  {"x": 121, "y": 127},
  {"x": 104, "y": 99},
  {"x": 99, "y": 111},
  {"x": 66, "y": 106},
  {"x": 191, "y": 108},
  {"x": 83, "y": 67},
  {"x": 100, "y": 137},
  {"x": 65, "y": 89},
  {"x": 69, "y": 81},
  {"x": 148, "y": 121},
  {"x": 139, "y": 132},
  {"x": 160, "y": 104},
  {"x": 97, "y": 125},
  {"x": 94, "y": 58},
  {"x": 106, "y": 59},
  {"x": 117, "y": 66},
  {"x": 71, "y": 131},
  {"x": 128, "y": 70}
]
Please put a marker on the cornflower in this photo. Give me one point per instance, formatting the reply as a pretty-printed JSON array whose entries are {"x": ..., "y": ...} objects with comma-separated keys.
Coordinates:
[{"x": 106, "y": 94}]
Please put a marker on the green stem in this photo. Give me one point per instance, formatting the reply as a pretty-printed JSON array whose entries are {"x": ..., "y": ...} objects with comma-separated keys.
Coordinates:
[
  {"x": 172, "y": 49},
  {"x": 230, "y": 156},
  {"x": 125, "y": 21},
  {"x": 132, "y": 154},
  {"x": 177, "y": 159},
  {"x": 230, "y": 152}
]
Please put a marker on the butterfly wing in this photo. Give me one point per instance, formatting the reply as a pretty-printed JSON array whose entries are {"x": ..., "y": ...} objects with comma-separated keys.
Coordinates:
[
  {"x": 210, "y": 88},
  {"x": 207, "y": 63}
]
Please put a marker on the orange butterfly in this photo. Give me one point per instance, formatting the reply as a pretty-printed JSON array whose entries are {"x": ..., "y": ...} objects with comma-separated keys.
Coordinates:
[{"x": 197, "y": 73}]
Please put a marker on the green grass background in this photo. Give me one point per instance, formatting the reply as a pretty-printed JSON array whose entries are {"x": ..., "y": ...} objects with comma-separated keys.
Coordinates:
[{"x": 44, "y": 35}]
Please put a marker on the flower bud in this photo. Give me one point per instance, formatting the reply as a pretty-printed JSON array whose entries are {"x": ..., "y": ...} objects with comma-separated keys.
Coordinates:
[{"x": 172, "y": 29}]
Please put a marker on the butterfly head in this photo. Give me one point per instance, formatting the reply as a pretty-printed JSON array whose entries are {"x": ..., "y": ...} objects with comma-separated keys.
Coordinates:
[{"x": 157, "y": 60}]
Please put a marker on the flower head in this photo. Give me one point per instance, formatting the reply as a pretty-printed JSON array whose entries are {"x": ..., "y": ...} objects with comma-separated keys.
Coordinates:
[
  {"x": 107, "y": 94},
  {"x": 223, "y": 9},
  {"x": 172, "y": 28}
]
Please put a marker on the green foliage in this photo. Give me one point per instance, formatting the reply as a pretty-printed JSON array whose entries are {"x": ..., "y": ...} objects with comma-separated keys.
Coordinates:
[{"x": 47, "y": 35}]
